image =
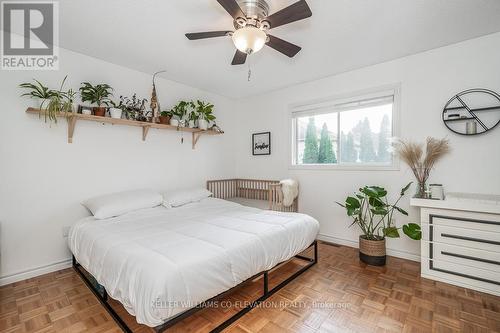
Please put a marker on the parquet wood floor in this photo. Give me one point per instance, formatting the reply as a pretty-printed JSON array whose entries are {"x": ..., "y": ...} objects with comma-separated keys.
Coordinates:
[{"x": 339, "y": 294}]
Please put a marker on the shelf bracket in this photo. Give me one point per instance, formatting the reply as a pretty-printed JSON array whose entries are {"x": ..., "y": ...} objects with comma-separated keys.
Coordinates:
[
  {"x": 196, "y": 137},
  {"x": 71, "y": 128},
  {"x": 145, "y": 130}
]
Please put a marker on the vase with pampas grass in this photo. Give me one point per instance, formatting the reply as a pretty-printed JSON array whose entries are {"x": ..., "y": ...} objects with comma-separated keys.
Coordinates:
[{"x": 420, "y": 160}]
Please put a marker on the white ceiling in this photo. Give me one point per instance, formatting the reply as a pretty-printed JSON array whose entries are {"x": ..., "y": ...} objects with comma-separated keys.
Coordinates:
[{"x": 342, "y": 35}]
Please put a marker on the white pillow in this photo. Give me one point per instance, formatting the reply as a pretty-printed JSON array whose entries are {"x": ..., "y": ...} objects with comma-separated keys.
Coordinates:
[
  {"x": 115, "y": 204},
  {"x": 180, "y": 198}
]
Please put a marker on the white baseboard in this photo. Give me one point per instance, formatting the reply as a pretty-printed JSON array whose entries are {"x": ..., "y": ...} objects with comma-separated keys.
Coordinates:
[
  {"x": 33, "y": 272},
  {"x": 351, "y": 243}
]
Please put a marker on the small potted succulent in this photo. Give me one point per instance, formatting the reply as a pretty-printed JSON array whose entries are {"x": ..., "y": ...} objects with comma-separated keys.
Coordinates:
[
  {"x": 97, "y": 95},
  {"x": 372, "y": 212},
  {"x": 205, "y": 114},
  {"x": 164, "y": 117}
]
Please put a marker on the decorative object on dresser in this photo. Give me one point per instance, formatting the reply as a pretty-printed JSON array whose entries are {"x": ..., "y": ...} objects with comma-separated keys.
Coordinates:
[
  {"x": 472, "y": 112},
  {"x": 421, "y": 164},
  {"x": 261, "y": 143},
  {"x": 99, "y": 95},
  {"x": 259, "y": 193},
  {"x": 373, "y": 213},
  {"x": 461, "y": 240}
]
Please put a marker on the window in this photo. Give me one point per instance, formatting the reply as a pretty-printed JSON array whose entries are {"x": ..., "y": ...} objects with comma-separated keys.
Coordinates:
[{"x": 353, "y": 132}]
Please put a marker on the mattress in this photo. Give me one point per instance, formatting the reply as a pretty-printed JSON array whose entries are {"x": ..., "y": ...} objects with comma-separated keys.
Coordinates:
[{"x": 159, "y": 262}]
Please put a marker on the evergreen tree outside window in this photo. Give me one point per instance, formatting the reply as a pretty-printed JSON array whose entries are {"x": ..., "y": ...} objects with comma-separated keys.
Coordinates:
[
  {"x": 311, "y": 144},
  {"x": 326, "y": 153}
]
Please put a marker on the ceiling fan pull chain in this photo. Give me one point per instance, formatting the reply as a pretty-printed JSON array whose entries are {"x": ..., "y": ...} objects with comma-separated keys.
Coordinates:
[{"x": 249, "y": 71}]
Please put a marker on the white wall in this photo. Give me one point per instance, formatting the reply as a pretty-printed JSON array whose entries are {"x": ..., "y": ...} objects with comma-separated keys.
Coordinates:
[
  {"x": 428, "y": 80},
  {"x": 43, "y": 179}
]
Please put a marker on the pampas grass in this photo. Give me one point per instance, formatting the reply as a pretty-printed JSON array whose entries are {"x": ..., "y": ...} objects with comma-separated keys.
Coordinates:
[{"x": 420, "y": 162}]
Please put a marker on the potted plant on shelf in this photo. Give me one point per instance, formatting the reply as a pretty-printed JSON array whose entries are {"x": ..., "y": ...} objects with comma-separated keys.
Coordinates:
[
  {"x": 372, "y": 212},
  {"x": 118, "y": 109},
  {"x": 37, "y": 91},
  {"x": 164, "y": 117},
  {"x": 98, "y": 95},
  {"x": 193, "y": 118},
  {"x": 179, "y": 111},
  {"x": 204, "y": 110},
  {"x": 134, "y": 108},
  {"x": 58, "y": 101},
  {"x": 61, "y": 102}
]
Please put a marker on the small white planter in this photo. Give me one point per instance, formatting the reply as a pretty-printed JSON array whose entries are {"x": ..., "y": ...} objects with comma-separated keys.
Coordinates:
[
  {"x": 174, "y": 122},
  {"x": 115, "y": 113},
  {"x": 87, "y": 111},
  {"x": 203, "y": 124},
  {"x": 192, "y": 123}
]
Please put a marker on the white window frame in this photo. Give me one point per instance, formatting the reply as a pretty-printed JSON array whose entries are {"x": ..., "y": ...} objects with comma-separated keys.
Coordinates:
[{"x": 315, "y": 106}]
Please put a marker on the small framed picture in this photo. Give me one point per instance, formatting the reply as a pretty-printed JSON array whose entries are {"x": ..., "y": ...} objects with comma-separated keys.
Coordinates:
[{"x": 261, "y": 143}]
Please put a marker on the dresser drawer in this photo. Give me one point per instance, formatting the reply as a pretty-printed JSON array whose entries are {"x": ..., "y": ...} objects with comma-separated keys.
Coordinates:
[
  {"x": 487, "y": 224},
  {"x": 478, "y": 239},
  {"x": 462, "y": 255},
  {"x": 468, "y": 272}
]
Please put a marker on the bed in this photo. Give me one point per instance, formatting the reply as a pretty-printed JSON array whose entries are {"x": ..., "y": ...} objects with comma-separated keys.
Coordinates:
[{"x": 161, "y": 263}]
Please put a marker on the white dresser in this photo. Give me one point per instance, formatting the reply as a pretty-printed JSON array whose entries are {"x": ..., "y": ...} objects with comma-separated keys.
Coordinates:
[{"x": 461, "y": 240}]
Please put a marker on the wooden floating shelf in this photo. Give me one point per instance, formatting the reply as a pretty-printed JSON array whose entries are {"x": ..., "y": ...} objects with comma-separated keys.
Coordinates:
[{"x": 74, "y": 117}]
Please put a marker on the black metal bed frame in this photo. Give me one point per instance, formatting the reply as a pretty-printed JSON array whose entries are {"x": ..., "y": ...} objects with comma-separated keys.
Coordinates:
[{"x": 103, "y": 298}]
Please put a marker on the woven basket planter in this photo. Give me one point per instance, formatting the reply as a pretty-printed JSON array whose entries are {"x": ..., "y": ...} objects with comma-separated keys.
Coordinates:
[{"x": 372, "y": 252}]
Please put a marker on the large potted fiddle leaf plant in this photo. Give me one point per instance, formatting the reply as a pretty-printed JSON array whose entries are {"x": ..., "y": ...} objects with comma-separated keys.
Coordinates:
[{"x": 374, "y": 215}]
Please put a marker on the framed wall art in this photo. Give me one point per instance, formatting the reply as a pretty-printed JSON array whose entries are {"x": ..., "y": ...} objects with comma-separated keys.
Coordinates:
[{"x": 261, "y": 143}]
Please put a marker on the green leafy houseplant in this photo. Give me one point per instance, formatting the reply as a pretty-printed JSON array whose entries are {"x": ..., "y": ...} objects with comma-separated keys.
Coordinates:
[
  {"x": 180, "y": 110},
  {"x": 37, "y": 91},
  {"x": 58, "y": 101},
  {"x": 205, "y": 112},
  {"x": 164, "y": 117},
  {"x": 372, "y": 212},
  {"x": 99, "y": 95}
]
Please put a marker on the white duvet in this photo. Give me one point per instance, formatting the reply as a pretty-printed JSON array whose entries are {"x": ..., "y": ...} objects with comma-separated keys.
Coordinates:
[{"x": 160, "y": 262}]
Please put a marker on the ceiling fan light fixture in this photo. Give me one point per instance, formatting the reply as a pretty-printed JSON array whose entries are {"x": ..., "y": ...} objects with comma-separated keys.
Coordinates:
[{"x": 249, "y": 39}]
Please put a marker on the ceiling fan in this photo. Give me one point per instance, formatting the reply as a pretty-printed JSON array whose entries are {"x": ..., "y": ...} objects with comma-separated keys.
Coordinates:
[{"x": 252, "y": 23}]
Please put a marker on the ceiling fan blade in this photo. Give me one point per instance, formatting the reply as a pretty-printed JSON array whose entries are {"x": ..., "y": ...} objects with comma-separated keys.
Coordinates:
[
  {"x": 232, "y": 7},
  {"x": 283, "y": 46},
  {"x": 207, "y": 34},
  {"x": 295, "y": 12},
  {"x": 239, "y": 58}
]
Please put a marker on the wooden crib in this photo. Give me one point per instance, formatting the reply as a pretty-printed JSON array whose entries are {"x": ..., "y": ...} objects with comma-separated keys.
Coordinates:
[{"x": 255, "y": 189}]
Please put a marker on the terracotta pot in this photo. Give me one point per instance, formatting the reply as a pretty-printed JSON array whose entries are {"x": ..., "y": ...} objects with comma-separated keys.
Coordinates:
[
  {"x": 372, "y": 252},
  {"x": 165, "y": 120},
  {"x": 99, "y": 111}
]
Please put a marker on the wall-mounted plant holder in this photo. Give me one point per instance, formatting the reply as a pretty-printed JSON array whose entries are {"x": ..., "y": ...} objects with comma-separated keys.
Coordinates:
[{"x": 472, "y": 112}]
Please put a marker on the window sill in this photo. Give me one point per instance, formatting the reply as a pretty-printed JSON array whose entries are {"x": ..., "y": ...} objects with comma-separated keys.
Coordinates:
[{"x": 344, "y": 167}]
